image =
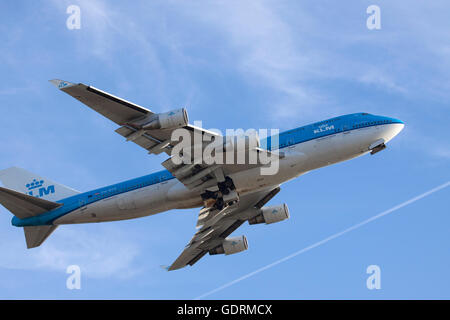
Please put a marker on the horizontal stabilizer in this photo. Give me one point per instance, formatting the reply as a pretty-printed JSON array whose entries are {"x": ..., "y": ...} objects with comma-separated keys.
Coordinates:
[
  {"x": 25, "y": 206},
  {"x": 35, "y": 236}
]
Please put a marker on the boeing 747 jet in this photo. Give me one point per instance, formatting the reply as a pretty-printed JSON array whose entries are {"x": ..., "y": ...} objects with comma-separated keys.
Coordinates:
[{"x": 228, "y": 193}]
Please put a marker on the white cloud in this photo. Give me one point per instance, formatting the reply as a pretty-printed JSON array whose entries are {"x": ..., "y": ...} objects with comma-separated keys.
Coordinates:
[
  {"x": 380, "y": 79},
  {"x": 442, "y": 152},
  {"x": 105, "y": 253},
  {"x": 97, "y": 26},
  {"x": 264, "y": 49}
]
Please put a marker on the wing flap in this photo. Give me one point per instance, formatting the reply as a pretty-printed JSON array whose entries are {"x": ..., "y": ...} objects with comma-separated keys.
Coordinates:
[
  {"x": 219, "y": 225},
  {"x": 146, "y": 140}
]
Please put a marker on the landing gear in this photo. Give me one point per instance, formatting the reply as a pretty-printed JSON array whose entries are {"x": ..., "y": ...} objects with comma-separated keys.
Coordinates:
[
  {"x": 377, "y": 146},
  {"x": 226, "y": 186},
  {"x": 219, "y": 204},
  {"x": 231, "y": 198},
  {"x": 209, "y": 195},
  {"x": 226, "y": 196}
]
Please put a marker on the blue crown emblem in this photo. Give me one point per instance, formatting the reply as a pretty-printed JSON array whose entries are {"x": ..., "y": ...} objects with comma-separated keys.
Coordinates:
[
  {"x": 34, "y": 184},
  {"x": 62, "y": 84}
]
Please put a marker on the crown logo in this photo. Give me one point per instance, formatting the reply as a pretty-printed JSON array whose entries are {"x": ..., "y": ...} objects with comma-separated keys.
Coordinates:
[
  {"x": 62, "y": 84},
  {"x": 34, "y": 184}
]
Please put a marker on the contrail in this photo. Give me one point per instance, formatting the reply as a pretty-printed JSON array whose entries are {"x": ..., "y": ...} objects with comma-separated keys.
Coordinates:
[{"x": 334, "y": 236}]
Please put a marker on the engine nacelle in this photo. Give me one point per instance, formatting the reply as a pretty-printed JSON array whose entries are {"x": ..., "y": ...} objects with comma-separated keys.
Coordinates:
[
  {"x": 168, "y": 120},
  {"x": 271, "y": 214},
  {"x": 231, "y": 246}
]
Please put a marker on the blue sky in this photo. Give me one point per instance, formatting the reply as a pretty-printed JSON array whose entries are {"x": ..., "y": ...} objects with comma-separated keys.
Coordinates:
[{"x": 233, "y": 64}]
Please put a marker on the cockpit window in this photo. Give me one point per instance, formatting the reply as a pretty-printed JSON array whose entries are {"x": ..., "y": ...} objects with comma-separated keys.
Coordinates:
[{"x": 364, "y": 114}]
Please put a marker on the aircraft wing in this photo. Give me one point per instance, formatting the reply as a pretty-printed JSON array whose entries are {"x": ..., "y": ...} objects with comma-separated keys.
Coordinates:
[
  {"x": 129, "y": 116},
  {"x": 214, "y": 225},
  {"x": 153, "y": 131}
]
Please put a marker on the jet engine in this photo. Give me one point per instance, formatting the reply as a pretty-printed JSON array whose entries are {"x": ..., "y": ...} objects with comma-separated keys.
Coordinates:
[
  {"x": 168, "y": 120},
  {"x": 231, "y": 246},
  {"x": 271, "y": 214}
]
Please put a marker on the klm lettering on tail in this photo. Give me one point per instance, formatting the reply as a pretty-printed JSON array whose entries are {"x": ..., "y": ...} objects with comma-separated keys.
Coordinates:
[{"x": 36, "y": 189}]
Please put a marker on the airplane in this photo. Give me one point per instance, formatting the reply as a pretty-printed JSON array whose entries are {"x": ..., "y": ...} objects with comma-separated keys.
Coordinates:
[{"x": 227, "y": 194}]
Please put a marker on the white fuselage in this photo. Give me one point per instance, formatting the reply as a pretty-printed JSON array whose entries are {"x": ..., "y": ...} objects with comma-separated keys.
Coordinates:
[{"x": 172, "y": 194}]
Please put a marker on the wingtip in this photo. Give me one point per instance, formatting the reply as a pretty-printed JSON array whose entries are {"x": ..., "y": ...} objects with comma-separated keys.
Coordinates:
[
  {"x": 60, "y": 84},
  {"x": 167, "y": 268}
]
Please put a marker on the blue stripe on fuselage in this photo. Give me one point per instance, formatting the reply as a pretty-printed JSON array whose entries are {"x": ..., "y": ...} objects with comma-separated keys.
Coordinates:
[
  {"x": 325, "y": 128},
  {"x": 295, "y": 136},
  {"x": 77, "y": 201}
]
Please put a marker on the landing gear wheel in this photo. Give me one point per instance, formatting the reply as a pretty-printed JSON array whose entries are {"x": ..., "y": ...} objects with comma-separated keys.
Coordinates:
[
  {"x": 226, "y": 186},
  {"x": 209, "y": 195},
  {"x": 226, "y": 196},
  {"x": 219, "y": 204}
]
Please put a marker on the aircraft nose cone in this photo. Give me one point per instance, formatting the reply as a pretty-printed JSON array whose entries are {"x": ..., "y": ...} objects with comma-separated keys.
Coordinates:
[
  {"x": 398, "y": 121},
  {"x": 393, "y": 128}
]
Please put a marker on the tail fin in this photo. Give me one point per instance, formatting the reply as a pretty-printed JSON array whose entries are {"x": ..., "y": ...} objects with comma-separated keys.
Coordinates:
[
  {"x": 34, "y": 185},
  {"x": 31, "y": 195}
]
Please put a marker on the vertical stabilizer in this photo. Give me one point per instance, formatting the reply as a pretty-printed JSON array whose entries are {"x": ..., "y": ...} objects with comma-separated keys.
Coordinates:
[{"x": 23, "y": 181}]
